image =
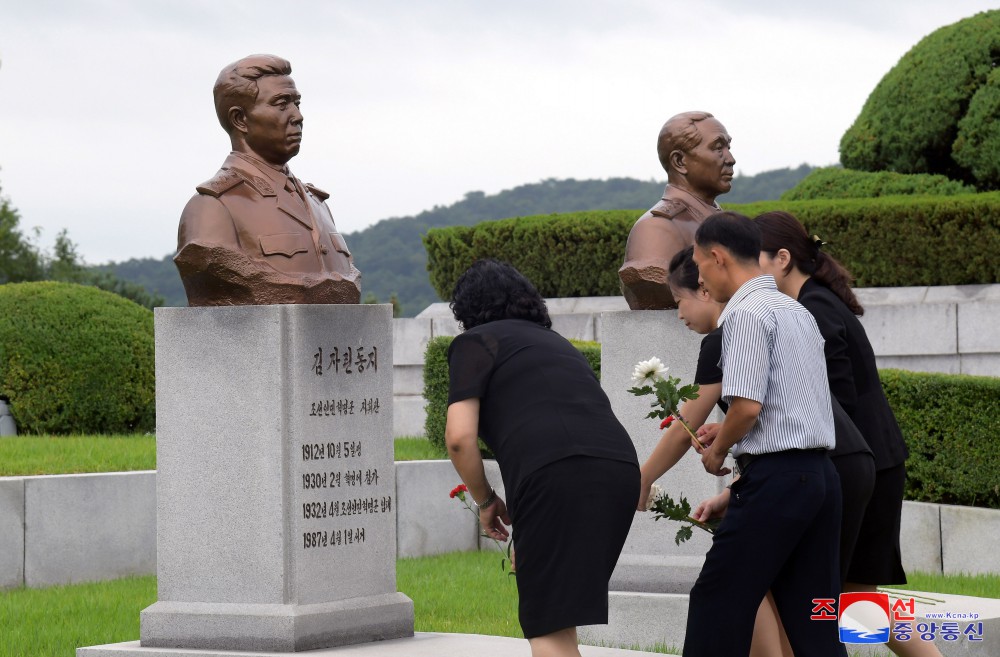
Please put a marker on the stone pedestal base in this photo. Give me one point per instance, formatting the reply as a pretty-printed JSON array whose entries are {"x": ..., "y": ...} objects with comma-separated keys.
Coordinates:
[
  {"x": 651, "y": 561},
  {"x": 279, "y": 628},
  {"x": 275, "y": 485}
]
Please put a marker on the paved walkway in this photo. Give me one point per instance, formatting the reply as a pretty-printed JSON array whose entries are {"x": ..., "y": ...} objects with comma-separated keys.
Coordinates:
[{"x": 423, "y": 644}]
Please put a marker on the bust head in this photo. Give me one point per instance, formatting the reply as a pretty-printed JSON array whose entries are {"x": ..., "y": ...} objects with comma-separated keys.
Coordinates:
[
  {"x": 258, "y": 105},
  {"x": 693, "y": 148}
]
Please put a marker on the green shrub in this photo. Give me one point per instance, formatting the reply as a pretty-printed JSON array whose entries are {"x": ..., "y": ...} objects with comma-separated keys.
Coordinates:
[
  {"x": 950, "y": 423},
  {"x": 935, "y": 111},
  {"x": 436, "y": 385},
  {"x": 837, "y": 182},
  {"x": 565, "y": 255},
  {"x": 885, "y": 242},
  {"x": 75, "y": 359}
]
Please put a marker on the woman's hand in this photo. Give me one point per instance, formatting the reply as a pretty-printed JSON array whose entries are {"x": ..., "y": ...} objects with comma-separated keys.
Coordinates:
[
  {"x": 645, "y": 484},
  {"x": 707, "y": 432},
  {"x": 493, "y": 518},
  {"x": 713, "y": 507}
]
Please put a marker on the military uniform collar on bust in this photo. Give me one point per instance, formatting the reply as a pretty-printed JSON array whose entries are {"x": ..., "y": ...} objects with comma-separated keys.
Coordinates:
[
  {"x": 262, "y": 176},
  {"x": 673, "y": 191}
]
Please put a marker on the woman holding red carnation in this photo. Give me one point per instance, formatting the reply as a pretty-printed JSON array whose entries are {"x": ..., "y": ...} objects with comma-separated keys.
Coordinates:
[{"x": 568, "y": 465}]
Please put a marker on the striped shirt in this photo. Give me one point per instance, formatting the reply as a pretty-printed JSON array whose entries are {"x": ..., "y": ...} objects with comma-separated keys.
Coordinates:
[{"x": 772, "y": 353}]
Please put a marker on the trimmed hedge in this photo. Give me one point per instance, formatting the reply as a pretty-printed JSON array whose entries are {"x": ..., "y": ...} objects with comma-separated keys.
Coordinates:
[
  {"x": 436, "y": 385},
  {"x": 576, "y": 254},
  {"x": 951, "y": 423},
  {"x": 75, "y": 359},
  {"x": 838, "y": 182},
  {"x": 885, "y": 242},
  {"x": 935, "y": 111}
]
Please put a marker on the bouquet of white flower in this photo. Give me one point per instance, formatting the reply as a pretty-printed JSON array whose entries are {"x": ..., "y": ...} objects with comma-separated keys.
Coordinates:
[{"x": 650, "y": 378}]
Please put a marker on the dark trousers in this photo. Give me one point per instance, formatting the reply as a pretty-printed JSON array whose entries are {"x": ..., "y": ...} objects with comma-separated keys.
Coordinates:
[{"x": 781, "y": 533}]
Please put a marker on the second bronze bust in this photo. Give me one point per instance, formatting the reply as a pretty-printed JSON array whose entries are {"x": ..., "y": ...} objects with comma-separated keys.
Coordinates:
[{"x": 254, "y": 234}]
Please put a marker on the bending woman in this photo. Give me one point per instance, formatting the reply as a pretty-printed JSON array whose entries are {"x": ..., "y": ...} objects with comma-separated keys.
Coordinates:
[
  {"x": 569, "y": 468},
  {"x": 821, "y": 284}
]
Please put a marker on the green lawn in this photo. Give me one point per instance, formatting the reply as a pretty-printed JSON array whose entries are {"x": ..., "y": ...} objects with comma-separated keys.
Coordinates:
[
  {"x": 459, "y": 592},
  {"x": 34, "y": 455}
]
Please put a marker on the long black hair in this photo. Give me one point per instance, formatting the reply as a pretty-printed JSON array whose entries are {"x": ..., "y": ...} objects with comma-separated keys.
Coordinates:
[
  {"x": 683, "y": 272},
  {"x": 781, "y": 230},
  {"x": 490, "y": 290}
]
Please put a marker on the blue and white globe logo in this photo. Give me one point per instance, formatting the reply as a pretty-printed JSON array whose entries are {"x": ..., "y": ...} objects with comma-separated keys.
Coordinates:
[{"x": 864, "y": 618}]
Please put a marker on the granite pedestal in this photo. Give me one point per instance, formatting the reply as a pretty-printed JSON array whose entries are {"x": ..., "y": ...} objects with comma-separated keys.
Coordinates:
[
  {"x": 276, "y": 525},
  {"x": 650, "y": 560}
]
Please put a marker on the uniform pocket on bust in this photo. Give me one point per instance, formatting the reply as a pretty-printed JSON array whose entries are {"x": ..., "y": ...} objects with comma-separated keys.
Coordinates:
[
  {"x": 339, "y": 243},
  {"x": 286, "y": 244}
]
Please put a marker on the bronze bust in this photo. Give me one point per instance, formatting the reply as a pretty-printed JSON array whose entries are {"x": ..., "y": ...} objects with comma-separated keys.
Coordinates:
[
  {"x": 693, "y": 148},
  {"x": 254, "y": 234}
]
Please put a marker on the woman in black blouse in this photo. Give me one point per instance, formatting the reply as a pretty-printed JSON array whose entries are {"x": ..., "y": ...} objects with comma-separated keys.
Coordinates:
[
  {"x": 569, "y": 468},
  {"x": 821, "y": 284}
]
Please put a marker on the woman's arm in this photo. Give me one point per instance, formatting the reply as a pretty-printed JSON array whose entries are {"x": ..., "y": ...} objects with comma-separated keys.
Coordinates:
[
  {"x": 675, "y": 441},
  {"x": 461, "y": 436}
]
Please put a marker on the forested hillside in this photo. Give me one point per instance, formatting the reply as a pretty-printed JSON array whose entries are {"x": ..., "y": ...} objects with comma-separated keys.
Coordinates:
[{"x": 391, "y": 256}]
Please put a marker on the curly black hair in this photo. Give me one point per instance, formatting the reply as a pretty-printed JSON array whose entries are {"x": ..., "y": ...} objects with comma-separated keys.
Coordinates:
[{"x": 491, "y": 290}]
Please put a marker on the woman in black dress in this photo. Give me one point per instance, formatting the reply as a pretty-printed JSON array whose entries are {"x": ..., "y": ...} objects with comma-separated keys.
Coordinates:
[
  {"x": 821, "y": 284},
  {"x": 569, "y": 468}
]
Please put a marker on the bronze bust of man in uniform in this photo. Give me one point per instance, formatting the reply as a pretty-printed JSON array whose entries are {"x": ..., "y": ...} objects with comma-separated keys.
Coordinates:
[
  {"x": 693, "y": 147},
  {"x": 254, "y": 234}
]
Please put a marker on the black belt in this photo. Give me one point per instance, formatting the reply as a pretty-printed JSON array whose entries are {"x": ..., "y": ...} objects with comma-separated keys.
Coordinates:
[{"x": 743, "y": 461}]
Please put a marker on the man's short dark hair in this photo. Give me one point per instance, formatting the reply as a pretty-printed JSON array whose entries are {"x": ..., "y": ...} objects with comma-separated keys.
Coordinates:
[
  {"x": 732, "y": 231},
  {"x": 236, "y": 85}
]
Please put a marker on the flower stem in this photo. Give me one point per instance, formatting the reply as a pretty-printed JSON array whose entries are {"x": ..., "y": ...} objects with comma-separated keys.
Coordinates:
[{"x": 698, "y": 444}]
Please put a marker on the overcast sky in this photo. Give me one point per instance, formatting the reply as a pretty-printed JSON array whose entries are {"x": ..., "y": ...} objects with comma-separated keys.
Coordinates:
[{"x": 107, "y": 123}]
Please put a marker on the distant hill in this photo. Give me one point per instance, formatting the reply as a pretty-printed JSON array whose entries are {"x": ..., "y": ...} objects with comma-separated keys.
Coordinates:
[{"x": 391, "y": 256}]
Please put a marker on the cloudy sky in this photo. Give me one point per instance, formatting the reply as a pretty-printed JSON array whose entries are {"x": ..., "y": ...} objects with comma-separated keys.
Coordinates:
[{"x": 107, "y": 124}]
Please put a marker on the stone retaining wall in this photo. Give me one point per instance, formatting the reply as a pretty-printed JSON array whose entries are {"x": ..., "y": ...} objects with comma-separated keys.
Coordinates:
[
  {"x": 950, "y": 329},
  {"x": 62, "y": 529}
]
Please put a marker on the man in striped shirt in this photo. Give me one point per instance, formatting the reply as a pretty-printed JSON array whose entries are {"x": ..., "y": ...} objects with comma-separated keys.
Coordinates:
[{"x": 781, "y": 528}]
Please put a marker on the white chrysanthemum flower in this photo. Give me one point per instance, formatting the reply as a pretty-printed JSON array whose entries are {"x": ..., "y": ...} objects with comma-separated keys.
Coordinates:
[
  {"x": 654, "y": 494},
  {"x": 648, "y": 372}
]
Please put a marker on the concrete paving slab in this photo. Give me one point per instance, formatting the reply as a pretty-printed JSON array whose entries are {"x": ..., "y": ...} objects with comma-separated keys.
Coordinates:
[{"x": 423, "y": 644}]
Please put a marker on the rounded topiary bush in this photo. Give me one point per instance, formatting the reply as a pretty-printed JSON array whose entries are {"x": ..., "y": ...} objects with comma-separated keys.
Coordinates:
[
  {"x": 76, "y": 359},
  {"x": 935, "y": 111}
]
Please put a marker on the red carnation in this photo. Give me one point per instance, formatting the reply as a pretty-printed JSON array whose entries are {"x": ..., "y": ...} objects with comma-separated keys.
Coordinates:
[
  {"x": 461, "y": 488},
  {"x": 666, "y": 422}
]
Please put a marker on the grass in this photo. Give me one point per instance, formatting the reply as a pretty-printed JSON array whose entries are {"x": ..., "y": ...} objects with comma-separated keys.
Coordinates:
[
  {"x": 36, "y": 455},
  {"x": 53, "y": 622},
  {"x": 417, "y": 448},
  {"x": 462, "y": 592},
  {"x": 979, "y": 586}
]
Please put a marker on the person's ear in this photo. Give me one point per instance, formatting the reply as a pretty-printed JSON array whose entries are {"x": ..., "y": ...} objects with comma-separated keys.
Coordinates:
[
  {"x": 677, "y": 161},
  {"x": 784, "y": 258},
  {"x": 238, "y": 118}
]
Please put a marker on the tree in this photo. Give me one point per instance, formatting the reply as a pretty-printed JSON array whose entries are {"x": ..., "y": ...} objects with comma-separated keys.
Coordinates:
[
  {"x": 20, "y": 259},
  {"x": 935, "y": 111}
]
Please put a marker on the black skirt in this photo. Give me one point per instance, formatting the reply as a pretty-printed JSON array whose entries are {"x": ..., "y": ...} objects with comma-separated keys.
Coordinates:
[
  {"x": 572, "y": 518},
  {"x": 877, "y": 558}
]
